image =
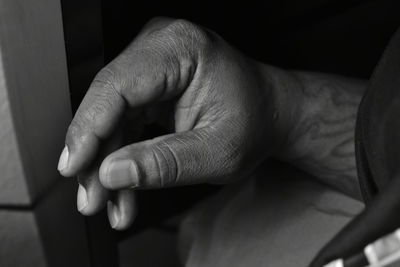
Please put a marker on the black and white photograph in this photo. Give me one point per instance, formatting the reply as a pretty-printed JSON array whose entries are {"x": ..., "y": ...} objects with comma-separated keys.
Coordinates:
[{"x": 199, "y": 133}]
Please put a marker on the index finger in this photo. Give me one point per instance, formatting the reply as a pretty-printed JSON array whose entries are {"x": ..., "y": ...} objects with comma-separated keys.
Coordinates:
[{"x": 95, "y": 120}]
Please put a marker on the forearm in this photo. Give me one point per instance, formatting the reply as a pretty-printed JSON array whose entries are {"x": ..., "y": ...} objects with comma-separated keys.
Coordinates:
[{"x": 317, "y": 114}]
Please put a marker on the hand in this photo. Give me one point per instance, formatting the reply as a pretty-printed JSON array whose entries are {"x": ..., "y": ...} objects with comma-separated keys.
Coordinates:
[{"x": 220, "y": 109}]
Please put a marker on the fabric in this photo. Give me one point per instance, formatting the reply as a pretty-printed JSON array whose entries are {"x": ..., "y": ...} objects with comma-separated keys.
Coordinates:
[
  {"x": 378, "y": 155},
  {"x": 280, "y": 217}
]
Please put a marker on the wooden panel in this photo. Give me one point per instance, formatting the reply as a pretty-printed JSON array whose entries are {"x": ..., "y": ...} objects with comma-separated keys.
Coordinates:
[
  {"x": 34, "y": 93},
  {"x": 13, "y": 187}
]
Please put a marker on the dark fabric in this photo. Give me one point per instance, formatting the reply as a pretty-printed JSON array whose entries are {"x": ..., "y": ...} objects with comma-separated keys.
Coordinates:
[
  {"x": 379, "y": 124},
  {"x": 378, "y": 159}
]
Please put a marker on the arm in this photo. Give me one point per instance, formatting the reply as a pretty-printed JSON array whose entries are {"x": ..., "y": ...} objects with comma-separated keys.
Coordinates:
[{"x": 318, "y": 114}]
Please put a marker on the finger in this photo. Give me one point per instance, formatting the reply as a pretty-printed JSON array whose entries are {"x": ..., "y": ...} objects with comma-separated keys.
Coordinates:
[
  {"x": 92, "y": 196},
  {"x": 149, "y": 70},
  {"x": 196, "y": 156},
  {"x": 122, "y": 210},
  {"x": 94, "y": 121},
  {"x": 122, "y": 207}
]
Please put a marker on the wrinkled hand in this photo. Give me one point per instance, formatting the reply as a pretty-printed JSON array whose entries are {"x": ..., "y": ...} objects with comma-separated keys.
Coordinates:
[{"x": 178, "y": 74}]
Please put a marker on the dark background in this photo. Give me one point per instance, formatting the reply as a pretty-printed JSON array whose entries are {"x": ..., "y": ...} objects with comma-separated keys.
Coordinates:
[{"x": 338, "y": 36}]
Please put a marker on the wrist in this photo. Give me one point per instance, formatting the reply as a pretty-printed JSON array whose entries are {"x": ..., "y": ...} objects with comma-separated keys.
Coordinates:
[{"x": 285, "y": 106}]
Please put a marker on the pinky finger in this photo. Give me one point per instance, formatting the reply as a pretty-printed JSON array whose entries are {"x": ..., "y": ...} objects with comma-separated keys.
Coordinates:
[{"x": 122, "y": 209}]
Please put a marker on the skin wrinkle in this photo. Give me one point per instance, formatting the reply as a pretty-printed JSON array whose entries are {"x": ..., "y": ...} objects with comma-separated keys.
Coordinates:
[
  {"x": 184, "y": 75},
  {"x": 229, "y": 162},
  {"x": 144, "y": 86},
  {"x": 175, "y": 176},
  {"x": 208, "y": 113},
  {"x": 76, "y": 135},
  {"x": 190, "y": 74},
  {"x": 192, "y": 82},
  {"x": 157, "y": 161},
  {"x": 167, "y": 173},
  {"x": 109, "y": 81},
  {"x": 103, "y": 106},
  {"x": 203, "y": 136},
  {"x": 183, "y": 30}
]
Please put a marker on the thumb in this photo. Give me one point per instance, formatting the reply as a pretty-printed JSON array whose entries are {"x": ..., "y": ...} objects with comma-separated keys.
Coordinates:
[{"x": 191, "y": 157}]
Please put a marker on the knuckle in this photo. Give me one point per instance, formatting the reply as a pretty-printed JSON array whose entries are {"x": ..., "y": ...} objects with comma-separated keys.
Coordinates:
[
  {"x": 185, "y": 37},
  {"x": 100, "y": 100},
  {"x": 186, "y": 29},
  {"x": 107, "y": 78},
  {"x": 182, "y": 25},
  {"x": 104, "y": 90},
  {"x": 75, "y": 132}
]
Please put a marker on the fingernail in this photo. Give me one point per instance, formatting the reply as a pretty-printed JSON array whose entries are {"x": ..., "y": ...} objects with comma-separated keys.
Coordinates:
[
  {"x": 123, "y": 173},
  {"x": 335, "y": 263},
  {"x": 113, "y": 214},
  {"x": 63, "y": 162},
  {"x": 82, "y": 200}
]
